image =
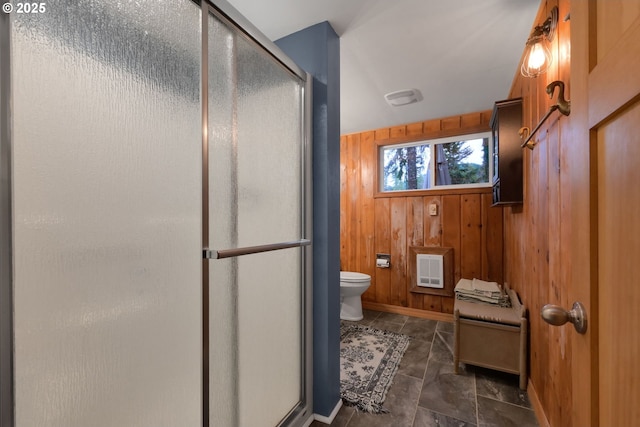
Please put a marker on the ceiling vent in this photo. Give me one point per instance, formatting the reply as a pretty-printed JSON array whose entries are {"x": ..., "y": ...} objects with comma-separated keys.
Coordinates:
[{"x": 403, "y": 97}]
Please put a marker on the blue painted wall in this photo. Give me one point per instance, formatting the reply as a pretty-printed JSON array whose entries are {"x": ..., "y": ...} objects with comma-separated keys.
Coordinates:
[{"x": 317, "y": 50}]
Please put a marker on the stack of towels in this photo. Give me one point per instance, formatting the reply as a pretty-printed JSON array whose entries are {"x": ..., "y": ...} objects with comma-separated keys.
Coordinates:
[{"x": 481, "y": 291}]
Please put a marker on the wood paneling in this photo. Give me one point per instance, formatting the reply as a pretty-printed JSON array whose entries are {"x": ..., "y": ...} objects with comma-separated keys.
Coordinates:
[
  {"x": 471, "y": 239},
  {"x": 537, "y": 261},
  {"x": 379, "y": 291},
  {"x": 492, "y": 238},
  {"x": 398, "y": 251},
  {"x": 381, "y": 223},
  {"x": 366, "y": 254},
  {"x": 451, "y": 230}
]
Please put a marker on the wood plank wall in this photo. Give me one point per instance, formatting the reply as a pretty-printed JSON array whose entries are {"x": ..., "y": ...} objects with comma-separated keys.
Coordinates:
[
  {"x": 537, "y": 234},
  {"x": 390, "y": 224}
]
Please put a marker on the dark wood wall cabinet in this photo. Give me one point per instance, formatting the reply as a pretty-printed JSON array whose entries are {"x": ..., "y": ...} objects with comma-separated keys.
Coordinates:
[{"x": 506, "y": 121}]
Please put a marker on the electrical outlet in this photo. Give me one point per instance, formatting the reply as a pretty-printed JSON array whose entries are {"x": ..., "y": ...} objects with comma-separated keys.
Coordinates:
[{"x": 433, "y": 209}]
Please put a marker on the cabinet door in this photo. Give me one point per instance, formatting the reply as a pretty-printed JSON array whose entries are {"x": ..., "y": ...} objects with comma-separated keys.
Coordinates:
[
  {"x": 505, "y": 123},
  {"x": 496, "y": 165}
]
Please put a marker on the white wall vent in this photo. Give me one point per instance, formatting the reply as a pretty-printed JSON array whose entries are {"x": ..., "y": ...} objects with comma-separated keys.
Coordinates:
[{"x": 430, "y": 272}]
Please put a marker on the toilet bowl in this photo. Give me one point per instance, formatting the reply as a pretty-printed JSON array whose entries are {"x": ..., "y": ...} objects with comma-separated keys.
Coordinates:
[{"x": 352, "y": 286}]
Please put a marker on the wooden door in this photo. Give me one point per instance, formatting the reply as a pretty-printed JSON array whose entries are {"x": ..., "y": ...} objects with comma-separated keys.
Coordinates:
[{"x": 605, "y": 191}]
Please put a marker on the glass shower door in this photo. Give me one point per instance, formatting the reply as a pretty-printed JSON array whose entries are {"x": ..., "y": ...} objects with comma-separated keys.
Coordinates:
[
  {"x": 256, "y": 204},
  {"x": 107, "y": 218},
  {"x": 134, "y": 143}
]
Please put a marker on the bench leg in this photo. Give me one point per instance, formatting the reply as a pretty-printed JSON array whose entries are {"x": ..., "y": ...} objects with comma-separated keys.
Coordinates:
[
  {"x": 523, "y": 353},
  {"x": 456, "y": 340},
  {"x": 523, "y": 381}
]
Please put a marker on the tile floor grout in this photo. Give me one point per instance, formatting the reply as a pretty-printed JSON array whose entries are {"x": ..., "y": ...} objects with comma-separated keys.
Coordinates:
[{"x": 424, "y": 374}]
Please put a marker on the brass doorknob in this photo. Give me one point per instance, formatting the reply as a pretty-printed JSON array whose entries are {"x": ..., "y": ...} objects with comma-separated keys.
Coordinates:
[{"x": 555, "y": 315}]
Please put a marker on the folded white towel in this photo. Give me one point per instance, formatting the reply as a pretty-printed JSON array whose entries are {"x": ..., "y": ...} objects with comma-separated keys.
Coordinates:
[
  {"x": 481, "y": 291},
  {"x": 481, "y": 285},
  {"x": 464, "y": 285}
]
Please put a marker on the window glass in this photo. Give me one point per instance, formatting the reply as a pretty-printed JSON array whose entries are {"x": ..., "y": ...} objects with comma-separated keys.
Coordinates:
[
  {"x": 406, "y": 167},
  {"x": 462, "y": 162},
  {"x": 457, "y": 161}
]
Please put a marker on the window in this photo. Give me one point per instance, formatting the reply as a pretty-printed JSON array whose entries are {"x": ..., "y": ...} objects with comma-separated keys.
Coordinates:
[{"x": 461, "y": 161}]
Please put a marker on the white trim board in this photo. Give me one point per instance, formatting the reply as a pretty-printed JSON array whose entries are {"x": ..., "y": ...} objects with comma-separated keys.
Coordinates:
[{"x": 328, "y": 420}]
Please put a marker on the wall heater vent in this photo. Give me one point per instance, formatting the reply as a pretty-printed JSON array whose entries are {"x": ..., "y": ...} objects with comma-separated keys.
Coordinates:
[{"x": 430, "y": 272}]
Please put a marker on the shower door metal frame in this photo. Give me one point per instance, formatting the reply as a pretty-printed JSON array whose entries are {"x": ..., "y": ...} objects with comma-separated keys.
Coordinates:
[
  {"x": 7, "y": 398},
  {"x": 223, "y": 10}
]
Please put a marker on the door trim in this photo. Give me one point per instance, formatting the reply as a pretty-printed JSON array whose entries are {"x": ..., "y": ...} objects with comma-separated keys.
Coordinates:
[{"x": 584, "y": 400}]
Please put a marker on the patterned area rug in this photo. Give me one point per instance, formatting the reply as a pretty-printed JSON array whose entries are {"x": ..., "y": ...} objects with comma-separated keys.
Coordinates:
[{"x": 369, "y": 359}]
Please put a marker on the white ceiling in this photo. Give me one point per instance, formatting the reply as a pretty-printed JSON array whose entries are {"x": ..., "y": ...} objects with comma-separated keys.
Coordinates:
[{"x": 461, "y": 54}]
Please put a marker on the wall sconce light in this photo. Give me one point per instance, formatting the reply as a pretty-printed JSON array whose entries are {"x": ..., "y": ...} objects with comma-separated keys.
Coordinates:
[{"x": 537, "y": 56}]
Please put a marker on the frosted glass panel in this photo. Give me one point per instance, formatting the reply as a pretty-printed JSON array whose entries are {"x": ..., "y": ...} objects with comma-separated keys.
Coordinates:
[
  {"x": 107, "y": 214},
  {"x": 269, "y": 149},
  {"x": 255, "y": 150},
  {"x": 223, "y": 363},
  {"x": 269, "y": 336},
  {"x": 255, "y": 144}
]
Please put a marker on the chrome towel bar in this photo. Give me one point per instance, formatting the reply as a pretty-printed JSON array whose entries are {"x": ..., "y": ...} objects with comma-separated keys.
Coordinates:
[{"x": 248, "y": 250}]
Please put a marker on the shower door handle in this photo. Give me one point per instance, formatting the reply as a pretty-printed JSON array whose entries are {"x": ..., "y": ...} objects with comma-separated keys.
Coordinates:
[{"x": 248, "y": 250}]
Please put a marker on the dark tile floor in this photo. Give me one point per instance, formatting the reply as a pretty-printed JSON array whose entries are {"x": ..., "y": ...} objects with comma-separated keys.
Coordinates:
[{"x": 426, "y": 392}]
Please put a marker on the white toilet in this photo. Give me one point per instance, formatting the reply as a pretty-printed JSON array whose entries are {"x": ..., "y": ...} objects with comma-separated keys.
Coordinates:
[{"x": 352, "y": 286}]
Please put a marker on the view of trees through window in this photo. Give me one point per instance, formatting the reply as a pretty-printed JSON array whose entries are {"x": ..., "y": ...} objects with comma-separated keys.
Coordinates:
[
  {"x": 456, "y": 162},
  {"x": 406, "y": 168}
]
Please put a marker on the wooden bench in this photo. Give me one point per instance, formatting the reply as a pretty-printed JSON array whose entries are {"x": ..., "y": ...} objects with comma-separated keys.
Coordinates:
[{"x": 492, "y": 337}]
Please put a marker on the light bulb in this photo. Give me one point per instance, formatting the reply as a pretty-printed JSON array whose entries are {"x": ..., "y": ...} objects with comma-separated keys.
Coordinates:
[{"x": 536, "y": 57}]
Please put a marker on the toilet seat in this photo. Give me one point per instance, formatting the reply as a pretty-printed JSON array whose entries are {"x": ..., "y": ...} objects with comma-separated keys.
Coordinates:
[{"x": 353, "y": 277}]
